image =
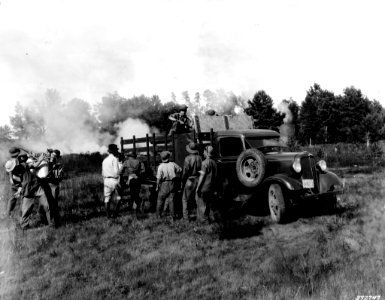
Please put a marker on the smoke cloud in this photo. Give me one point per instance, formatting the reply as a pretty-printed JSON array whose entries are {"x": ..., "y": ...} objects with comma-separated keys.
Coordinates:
[
  {"x": 131, "y": 127},
  {"x": 283, "y": 107}
]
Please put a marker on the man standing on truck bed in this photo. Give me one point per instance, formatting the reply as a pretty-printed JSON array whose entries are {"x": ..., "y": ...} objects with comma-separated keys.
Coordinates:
[
  {"x": 132, "y": 170},
  {"x": 206, "y": 188},
  {"x": 191, "y": 168},
  {"x": 111, "y": 175},
  {"x": 165, "y": 186},
  {"x": 181, "y": 123}
]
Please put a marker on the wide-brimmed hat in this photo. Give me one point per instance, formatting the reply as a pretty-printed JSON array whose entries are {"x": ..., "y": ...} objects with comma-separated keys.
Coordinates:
[
  {"x": 131, "y": 154},
  {"x": 192, "y": 148},
  {"x": 210, "y": 151},
  {"x": 10, "y": 165},
  {"x": 183, "y": 107},
  {"x": 57, "y": 152},
  {"x": 14, "y": 152},
  {"x": 49, "y": 150},
  {"x": 165, "y": 155},
  {"x": 112, "y": 148}
]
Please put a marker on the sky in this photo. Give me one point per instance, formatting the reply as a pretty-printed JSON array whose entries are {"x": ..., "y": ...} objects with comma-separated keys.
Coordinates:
[{"x": 87, "y": 49}]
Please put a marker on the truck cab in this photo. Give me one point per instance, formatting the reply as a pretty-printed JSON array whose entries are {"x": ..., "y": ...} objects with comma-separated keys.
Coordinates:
[{"x": 254, "y": 165}]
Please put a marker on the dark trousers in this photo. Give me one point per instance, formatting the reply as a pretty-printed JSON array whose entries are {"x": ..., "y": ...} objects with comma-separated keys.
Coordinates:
[
  {"x": 204, "y": 204},
  {"x": 189, "y": 195},
  {"x": 166, "y": 198},
  {"x": 12, "y": 203},
  {"x": 27, "y": 208},
  {"x": 135, "y": 186},
  {"x": 54, "y": 201}
]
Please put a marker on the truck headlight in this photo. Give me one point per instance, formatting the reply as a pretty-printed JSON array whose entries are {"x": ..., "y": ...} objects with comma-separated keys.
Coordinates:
[
  {"x": 297, "y": 166},
  {"x": 322, "y": 165}
]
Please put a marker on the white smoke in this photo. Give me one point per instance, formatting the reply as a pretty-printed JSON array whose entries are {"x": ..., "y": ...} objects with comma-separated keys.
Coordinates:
[
  {"x": 283, "y": 107},
  {"x": 133, "y": 127}
]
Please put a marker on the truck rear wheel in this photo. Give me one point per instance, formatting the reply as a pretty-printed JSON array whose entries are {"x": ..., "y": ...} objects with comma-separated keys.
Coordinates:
[
  {"x": 250, "y": 167},
  {"x": 279, "y": 207}
]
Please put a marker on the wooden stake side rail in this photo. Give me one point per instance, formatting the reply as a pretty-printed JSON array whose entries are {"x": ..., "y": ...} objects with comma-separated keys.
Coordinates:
[
  {"x": 149, "y": 148},
  {"x": 150, "y": 152},
  {"x": 158, "y": 138}
]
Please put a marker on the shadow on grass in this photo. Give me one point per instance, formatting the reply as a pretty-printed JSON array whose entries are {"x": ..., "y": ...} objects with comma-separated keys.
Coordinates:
[
  {"x": 238, "y": 229},
  {"x": 346, "y": 210}
]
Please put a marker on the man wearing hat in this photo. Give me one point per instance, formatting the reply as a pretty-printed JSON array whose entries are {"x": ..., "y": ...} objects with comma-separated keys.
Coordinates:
[
  {"x": 29, "y": 188},
  {"x": 206, "y": 186},
  {"x": 15, "y": 175},
  {"x": 56, "y": 175},
  {"x": 14, "y": 152},
  {"x": 165, "y": 187},
  {"x": 111, "y": 175},
  {"x": 192, "y": 166},
  {"x": 180, "y": 122},
  {"x": 132, "y": 170}
]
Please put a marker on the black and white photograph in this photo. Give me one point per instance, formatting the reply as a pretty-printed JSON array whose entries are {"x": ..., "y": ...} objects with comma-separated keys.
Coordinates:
[{"x": 210, "y": 149}]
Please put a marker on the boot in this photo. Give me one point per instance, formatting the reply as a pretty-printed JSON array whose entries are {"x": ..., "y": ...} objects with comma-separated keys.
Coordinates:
[{"x": 108, "y": 211}]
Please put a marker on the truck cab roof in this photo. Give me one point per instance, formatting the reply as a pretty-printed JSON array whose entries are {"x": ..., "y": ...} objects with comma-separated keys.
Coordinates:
[{"x": 249, "y": 132}]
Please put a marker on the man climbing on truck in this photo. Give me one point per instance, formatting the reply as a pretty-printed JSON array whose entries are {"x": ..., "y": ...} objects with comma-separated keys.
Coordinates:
[{"x": 181, "y": 123}]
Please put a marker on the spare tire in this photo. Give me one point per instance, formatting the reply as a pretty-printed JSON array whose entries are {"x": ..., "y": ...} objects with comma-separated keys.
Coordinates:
[{"x": 251, "y": 167}]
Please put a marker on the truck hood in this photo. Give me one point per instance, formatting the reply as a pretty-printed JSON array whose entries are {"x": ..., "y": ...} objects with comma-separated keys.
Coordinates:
[
  {"x": 286, "y": 155},
  {"x": 282, "y": 162}
]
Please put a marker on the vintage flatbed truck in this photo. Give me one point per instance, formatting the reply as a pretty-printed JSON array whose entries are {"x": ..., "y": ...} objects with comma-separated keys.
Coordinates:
[{"x": 254, "y": 166}]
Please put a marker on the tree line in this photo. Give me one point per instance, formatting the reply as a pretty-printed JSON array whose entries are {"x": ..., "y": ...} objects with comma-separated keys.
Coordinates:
[{"x": 322, "y": 117}]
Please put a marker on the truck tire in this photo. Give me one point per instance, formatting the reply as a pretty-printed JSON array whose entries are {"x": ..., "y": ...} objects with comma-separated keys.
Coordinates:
[
  {"x": 251, "y": 167},
  {"x": 278, "y": 205}
]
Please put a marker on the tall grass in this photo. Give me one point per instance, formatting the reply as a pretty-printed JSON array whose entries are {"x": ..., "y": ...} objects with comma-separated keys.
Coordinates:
[{"x": 335, "y": 256}]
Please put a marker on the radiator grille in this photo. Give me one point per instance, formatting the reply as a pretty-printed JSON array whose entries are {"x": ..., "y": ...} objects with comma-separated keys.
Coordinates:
[{"x": 309, "y": 171}]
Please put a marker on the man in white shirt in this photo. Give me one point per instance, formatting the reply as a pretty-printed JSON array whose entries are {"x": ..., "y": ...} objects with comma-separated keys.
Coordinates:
[{"x": 111, "y": 174}]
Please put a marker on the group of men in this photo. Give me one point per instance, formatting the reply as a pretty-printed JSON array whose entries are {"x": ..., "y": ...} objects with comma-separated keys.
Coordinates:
[
  {"x": 27, "y": 184},
  {"x": 198, "y": 182},
  {"x": 117, "y": 174}
]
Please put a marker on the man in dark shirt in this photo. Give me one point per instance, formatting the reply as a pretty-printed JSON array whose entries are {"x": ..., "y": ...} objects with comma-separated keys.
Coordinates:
[
  {"x": 192, "y": 166},
  {"x": 181, "y": 123},
  {"x": 132, "y": 170},
  {"x": 206, "y": 186},
  {"x": 56, "y": 175},
  {"x": 31, "y": 187},
  {"x": 15, "y": 175}
]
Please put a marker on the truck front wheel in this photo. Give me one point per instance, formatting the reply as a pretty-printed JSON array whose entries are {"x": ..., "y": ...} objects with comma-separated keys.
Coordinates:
[{"x": 279, "y": 207}]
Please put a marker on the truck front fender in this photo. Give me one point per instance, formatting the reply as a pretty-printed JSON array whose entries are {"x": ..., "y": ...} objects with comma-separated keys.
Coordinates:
[
  {"x": 288, "y": 182},
  {"x": 328, "y": 181}
]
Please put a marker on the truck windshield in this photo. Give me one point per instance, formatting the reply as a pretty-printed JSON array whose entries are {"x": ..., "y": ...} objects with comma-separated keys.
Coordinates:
[{"x": 265, "y": 144}]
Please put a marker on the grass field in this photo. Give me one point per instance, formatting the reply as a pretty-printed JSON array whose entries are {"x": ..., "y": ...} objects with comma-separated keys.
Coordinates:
[{"x": 336, "y": 256}]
